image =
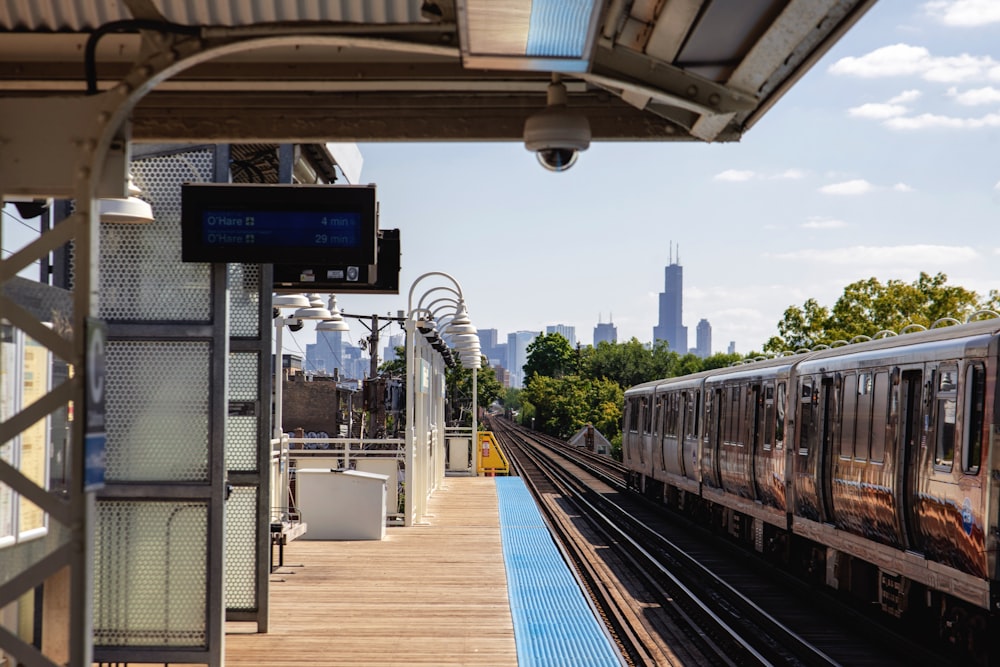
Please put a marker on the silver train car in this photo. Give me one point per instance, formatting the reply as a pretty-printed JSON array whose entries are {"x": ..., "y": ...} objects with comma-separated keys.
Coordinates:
[{"x": 872, "y": 467}]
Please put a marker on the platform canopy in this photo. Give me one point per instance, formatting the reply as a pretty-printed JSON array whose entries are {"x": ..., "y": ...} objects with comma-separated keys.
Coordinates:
[{"x": 431, "y": 70}]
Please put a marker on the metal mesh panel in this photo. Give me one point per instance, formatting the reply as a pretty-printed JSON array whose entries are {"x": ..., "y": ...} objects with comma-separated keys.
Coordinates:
[
  {"x": 150, "y": 574},
  {"x": 244, "y": 300},
  {"x": 157, "y": 422},
  {"x": 141, "y": 273},
  {"x": 241, "y": 430},
  {"x": 241, "y": 548}
]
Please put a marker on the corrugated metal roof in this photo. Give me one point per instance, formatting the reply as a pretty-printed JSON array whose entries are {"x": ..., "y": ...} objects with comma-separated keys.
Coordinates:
[{"x": 87, "y": 15}]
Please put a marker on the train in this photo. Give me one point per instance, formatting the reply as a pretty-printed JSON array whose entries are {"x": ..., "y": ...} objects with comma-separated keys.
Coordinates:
[{"x": 871, "y": 467}]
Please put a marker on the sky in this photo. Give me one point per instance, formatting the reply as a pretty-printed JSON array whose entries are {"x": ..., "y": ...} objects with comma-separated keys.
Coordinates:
[{"x": 882, "y": 161}]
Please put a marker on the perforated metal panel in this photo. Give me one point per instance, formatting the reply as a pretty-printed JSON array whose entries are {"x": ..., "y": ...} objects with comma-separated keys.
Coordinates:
[
  {"x": 141, "y": 273},
  {"x": 150, "y": 574},
  {"x": 157, "y": 418},
  {"x": 160, "y": 525},
  {"x": 241, "y": 546},
  {"x": 244, "y": 300},
  {"x": 242, "y": 430}
]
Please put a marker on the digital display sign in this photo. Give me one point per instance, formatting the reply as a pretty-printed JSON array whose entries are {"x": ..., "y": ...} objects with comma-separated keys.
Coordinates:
[
  {"x": 279, "y": 224},
  {"x": 379, "y": 278}
]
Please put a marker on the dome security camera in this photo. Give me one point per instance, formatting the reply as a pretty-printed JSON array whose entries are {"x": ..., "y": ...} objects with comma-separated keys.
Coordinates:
[{"x": 555, "y": 134}]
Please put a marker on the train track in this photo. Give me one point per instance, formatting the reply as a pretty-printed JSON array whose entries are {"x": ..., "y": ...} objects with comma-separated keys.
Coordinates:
[{"x": 661, "y": 605}]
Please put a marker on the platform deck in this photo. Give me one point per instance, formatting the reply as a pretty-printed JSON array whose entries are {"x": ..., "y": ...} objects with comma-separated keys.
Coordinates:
[{"x": 432, "y": 594}]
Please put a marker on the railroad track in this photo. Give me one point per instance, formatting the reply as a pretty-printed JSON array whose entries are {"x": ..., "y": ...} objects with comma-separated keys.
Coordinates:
[{"x": 661, "y": 605}]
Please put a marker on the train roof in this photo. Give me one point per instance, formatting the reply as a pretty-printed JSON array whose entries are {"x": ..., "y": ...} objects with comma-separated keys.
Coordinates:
[{"x": 946, "y": 339}]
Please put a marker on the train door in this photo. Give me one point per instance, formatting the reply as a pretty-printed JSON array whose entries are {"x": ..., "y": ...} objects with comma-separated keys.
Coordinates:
[
  {"x": 909, "y": 454},
  {"x": 825, "y": 454},
  {"x": 756, "y": 434}
]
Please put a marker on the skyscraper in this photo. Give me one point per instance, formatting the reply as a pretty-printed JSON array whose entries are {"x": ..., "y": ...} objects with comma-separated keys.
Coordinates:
[
  {"x": 566, "y": 331},
  {"x": 703, "y": 338},
  {"x": 605, "y": 332},
  {"x": 671, "y": 325},
  {"x": 517, "y": 355}
]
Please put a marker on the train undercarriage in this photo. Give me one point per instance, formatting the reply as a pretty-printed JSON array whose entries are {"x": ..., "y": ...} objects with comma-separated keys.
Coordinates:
[{"x": 969, "y": 633}]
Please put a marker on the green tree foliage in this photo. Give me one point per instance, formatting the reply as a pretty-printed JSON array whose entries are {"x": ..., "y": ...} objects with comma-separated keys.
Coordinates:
[
  {"x": 396, "y": 367},
  {"x": 458, "y": 381},
  {"x": 626, "y": 364},
  {"x": 867, "y": 307},
  {"x": 549, "y": 355},
  {"x": 562, "y": 406}
]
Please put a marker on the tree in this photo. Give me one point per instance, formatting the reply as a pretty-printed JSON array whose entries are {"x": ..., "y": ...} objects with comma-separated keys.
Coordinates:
[
  {"x": 626, "y": 364},
  {"x": 867, "y": 307},
  {"x": 395, "y": 367},
  {"x": 459, "y": 382},
  {"x": 549, "y": 355}
]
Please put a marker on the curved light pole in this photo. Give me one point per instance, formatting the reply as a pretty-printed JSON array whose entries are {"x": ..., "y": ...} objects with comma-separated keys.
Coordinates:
[{"x": 425, "y": 394}]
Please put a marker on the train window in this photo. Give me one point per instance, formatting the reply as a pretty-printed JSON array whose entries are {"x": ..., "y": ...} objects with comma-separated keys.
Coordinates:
[
  {"x": 768, "y": 416},
  {"x": 947, "y": 380},
  {"x": 779, "y": 426},
  {"x": 975, "y": 405},
  {"x": 733, "y": 416},
  {"x": 848, "y": 414},
  {"x": 880, "y": 389},
  {"x": 647, "y": 417},
  {"x": 658, "y": 415},
  {"x": 807, "y": 417},
  {"x": 691, "y": 423},
  {"x": 946, "y": 417},
  {"x": 863, "y": 413},
  {"x": 633, "y": 415},
  {"x": 670, "y": 418}
]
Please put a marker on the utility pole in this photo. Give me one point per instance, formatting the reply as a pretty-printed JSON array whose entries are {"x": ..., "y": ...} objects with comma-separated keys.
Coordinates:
[{"x": 373, "y": 341}]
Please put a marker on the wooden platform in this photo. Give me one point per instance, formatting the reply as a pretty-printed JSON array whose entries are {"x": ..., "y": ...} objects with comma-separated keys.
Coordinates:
[{"x": 434, "y": 594}]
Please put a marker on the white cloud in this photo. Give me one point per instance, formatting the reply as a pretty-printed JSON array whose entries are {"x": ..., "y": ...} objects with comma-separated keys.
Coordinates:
[
  {"x": 739, "y": 176},
  {"x": 791, "y": 174},
  {"x": 907, "y": 60},
  {"x": 964, "y": 13},
  {"x": 997, "y": 186},
  {"x": 858, "y": 186},
  {"x": 895, "y": 256},
  {"x": 976, "y": 96},
  {"x": 823, "y": 223},
  {"x": 906, "y": 96},
  {"x": 928, "y": 120},
  {"x": 902, "y": 187},
  {"x": 735, "y": 175},
  {"x": 876, "y": 111}
]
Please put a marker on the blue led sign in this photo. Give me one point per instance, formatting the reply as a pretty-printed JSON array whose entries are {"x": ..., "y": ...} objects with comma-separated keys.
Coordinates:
[{"x": 278, "y": 224}]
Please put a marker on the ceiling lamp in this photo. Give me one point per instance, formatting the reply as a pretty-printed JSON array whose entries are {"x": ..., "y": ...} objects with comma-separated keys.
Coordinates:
[
  {"x": 132, "y": 211},
  {"x": 290, "y": 301},
  {"x": 336, "y": 321}
]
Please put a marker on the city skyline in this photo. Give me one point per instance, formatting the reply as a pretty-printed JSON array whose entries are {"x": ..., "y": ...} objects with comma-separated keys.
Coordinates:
[{"x": 876, "y": 163}]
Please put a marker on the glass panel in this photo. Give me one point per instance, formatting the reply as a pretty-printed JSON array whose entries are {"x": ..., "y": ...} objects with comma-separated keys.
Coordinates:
[
  {"x": 241, "y": 541},
  {"x": 863, "y": 427},
  {"x": 945, "y": 451},
  {"x": 848, "y": 414},
  {"x": 157, "y": 421},
  {"x": 141, "y": 274},
  {"x": 880, "y": 419},
  {"x": 150, "y": 574},
  {"x": 241, "y": 430},
  {"x": 975, "y": 405}
]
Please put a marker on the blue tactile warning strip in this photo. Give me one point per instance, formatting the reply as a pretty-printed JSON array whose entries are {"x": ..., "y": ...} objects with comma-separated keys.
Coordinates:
[{"x": 553, "y": 622}]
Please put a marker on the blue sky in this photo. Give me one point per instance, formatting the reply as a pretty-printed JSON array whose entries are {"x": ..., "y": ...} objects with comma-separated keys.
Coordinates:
[{"x": 883, "y": 160}]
